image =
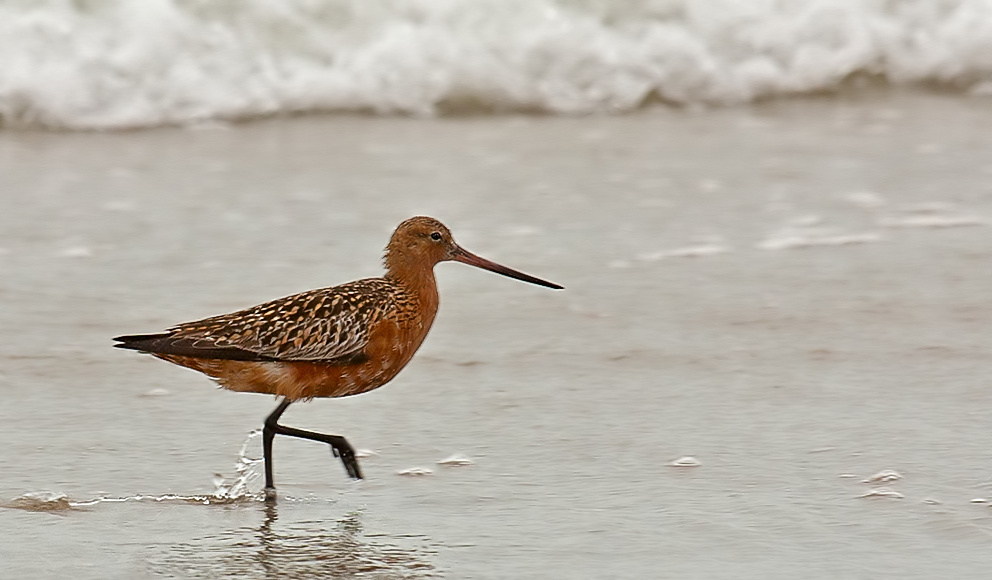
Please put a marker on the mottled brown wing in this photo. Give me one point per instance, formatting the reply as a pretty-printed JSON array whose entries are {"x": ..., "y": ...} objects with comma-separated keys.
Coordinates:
[{"x": 326, "y": 325}]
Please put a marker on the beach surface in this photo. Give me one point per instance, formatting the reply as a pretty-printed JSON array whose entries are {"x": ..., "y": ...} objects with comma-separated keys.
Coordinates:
[{"x": 771, "y": 359}]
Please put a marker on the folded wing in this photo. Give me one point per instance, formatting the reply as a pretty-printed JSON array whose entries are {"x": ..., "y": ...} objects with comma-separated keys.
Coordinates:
[{"x": 330, "y": 325}]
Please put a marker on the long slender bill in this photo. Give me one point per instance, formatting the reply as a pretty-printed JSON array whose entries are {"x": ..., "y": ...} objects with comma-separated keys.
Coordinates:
[{"x": 465, "y": 257}]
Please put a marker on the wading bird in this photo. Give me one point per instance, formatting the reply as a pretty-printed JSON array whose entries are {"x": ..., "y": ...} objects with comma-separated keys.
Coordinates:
[{"x": 331, "y": 342}]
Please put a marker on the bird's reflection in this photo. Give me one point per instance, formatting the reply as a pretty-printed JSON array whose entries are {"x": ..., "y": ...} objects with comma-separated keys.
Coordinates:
[{"x": 305, "y": 549}]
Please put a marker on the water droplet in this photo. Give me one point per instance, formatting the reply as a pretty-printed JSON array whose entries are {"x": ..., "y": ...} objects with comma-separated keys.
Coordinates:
[
  {"x": 884, "y": 476},
  {"x": 76, "y": 252},
  {"x": 415, "y": 472},
  {"x": 687, "y": 461},
  {"x": 865, "y": 199},
  {"x": 456, "y": 460},
  {"x": 882, "y": 492}
]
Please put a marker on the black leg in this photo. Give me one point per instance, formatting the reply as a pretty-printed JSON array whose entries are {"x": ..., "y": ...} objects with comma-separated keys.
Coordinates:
[
  {"x": 268, "y": 434},
  {"x": 339, "y": 446}
]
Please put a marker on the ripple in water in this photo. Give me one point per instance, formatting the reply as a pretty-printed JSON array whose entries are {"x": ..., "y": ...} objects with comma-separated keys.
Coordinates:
[{"x": 301, "y": 550}]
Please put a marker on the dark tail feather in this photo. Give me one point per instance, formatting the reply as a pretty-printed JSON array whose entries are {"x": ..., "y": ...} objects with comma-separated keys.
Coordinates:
[
  {"x": 169, "y": 343},
  {"x": 143, "y": 342}
]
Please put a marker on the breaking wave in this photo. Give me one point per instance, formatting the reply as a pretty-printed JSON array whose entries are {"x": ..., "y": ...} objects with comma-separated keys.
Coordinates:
[{"x": 138, "y": 63}]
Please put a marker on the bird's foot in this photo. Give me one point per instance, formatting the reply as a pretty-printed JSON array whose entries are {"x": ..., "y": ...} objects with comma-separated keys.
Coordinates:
[
  {"x": 270, "y": 495},
  {"x": 344, "y": 451}
]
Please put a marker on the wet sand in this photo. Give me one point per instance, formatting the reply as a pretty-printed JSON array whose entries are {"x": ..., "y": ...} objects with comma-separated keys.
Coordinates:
[{"x": 796, "y": 294}]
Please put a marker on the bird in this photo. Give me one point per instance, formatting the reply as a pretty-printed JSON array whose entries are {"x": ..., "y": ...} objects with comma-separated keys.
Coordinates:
[{"x": 330, "y": 342}]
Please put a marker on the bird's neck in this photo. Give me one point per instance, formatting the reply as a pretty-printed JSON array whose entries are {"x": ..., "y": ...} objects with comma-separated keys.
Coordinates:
[{"x": 416, "y": 275}]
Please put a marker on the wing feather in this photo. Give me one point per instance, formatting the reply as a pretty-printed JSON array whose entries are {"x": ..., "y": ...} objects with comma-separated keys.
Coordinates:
[{"x": 326, "y": 325}]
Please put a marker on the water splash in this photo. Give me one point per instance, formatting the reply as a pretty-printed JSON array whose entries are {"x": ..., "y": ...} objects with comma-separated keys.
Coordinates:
[
  {"x": 248, "y": 470},
  {"x": 226, "y": 490}
]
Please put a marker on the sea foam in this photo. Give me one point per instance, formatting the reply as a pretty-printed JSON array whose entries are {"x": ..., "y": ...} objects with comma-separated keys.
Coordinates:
[{"x": 136, "y": 63}]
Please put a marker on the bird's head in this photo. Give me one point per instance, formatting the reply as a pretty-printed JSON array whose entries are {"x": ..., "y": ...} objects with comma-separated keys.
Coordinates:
[{"x": 421, "y": 242}]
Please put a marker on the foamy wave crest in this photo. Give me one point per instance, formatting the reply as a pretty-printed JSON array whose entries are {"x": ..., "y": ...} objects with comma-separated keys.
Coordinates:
[{"x": 131, "y": 63}]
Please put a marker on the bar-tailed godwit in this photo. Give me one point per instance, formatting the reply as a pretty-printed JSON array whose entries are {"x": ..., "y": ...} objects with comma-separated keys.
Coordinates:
[{"x": 332, "y": 342}]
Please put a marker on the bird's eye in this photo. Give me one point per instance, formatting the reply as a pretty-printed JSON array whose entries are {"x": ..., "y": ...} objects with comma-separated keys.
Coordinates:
[{"x": 436, "y": 236}]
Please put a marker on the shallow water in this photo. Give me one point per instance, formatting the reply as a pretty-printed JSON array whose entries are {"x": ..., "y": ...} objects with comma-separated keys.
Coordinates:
[{"x": 794, "y": 294}]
